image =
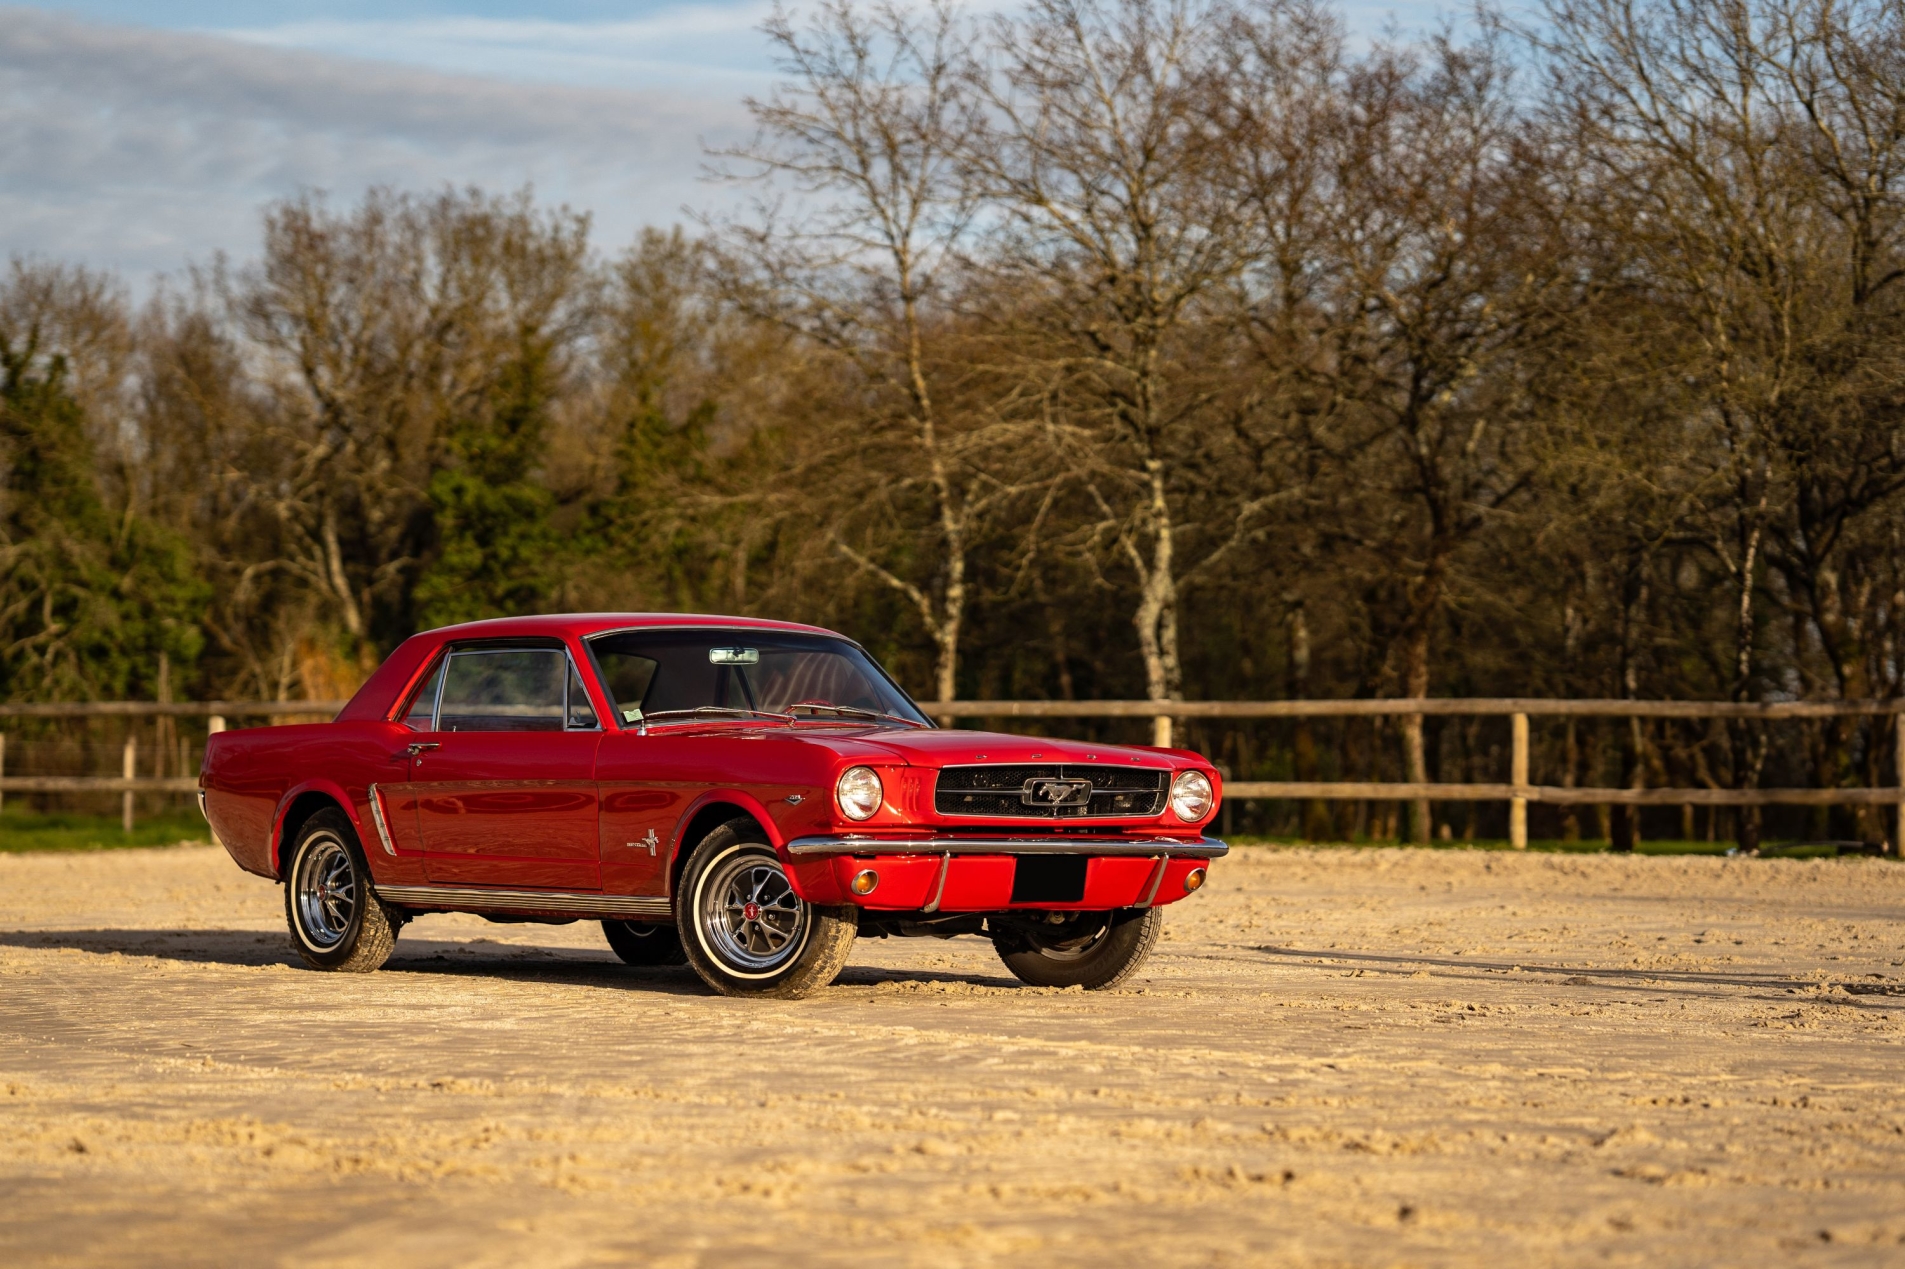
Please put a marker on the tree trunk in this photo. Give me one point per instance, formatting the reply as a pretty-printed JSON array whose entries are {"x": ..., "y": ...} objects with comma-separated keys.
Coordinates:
[{"x": 1156, "y": 617}]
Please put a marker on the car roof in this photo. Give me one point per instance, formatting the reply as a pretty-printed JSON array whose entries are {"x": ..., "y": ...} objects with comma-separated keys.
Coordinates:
[
  {"x": 393, "y": 679},
  {"x": 583, "y": 624}
]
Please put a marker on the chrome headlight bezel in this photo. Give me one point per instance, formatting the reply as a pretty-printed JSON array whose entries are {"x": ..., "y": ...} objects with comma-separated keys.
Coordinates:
[
  {"x": 859, "y": 793},
  {"x": 1192, "y": 796}
]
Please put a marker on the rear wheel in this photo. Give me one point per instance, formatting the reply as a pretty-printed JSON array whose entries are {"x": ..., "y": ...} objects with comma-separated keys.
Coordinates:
[
  {"x": 1093, "y": 950},
  {"x": 336, "y": 919},
  {"x": 644, "y": 943},
  {"x": 743, "y": 927}
]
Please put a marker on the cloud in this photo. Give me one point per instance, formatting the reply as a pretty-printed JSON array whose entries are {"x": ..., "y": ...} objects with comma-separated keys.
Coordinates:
[
  {"x": 697, "y": 46},
  {"x": 139, "y": 149}
]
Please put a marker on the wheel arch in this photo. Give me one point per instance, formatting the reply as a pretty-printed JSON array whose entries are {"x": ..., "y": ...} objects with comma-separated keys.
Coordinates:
[
  {"x": 297, "y": 807},
  {"x": 709, "y": 813}
]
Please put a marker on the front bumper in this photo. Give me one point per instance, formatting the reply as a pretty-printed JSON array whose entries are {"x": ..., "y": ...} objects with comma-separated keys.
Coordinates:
[
  {"x": 1198, "y": 848},
  {"x": 982, "y": 874}
]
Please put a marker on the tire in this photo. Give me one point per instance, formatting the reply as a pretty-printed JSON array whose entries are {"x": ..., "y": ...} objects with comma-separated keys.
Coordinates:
[
  {"x": 644, "y": 943},
  {"x": 1093, "y": 950},
  {"x": 337, "y": 921},
  {"x": 785, "y": 949}
]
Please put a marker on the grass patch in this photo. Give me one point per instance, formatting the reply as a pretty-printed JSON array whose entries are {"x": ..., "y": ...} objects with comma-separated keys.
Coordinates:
[{"x": 22, "y": 831}]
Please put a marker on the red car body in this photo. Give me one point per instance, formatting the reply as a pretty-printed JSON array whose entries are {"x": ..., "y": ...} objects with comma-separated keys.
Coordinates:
[{"x": 596, "y": 822}]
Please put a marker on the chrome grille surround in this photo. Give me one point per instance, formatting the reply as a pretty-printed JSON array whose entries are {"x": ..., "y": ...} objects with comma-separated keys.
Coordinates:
[{"x": 1007, "y": 791}]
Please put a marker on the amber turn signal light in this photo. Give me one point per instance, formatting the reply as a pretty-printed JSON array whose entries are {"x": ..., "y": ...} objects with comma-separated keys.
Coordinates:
[
  {"x": 1193, "y": 879},
  {"x": 865, "y": 880}
]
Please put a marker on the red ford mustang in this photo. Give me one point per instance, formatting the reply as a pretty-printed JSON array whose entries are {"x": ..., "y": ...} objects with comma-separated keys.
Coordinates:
[{"x": 746, "y": 796}]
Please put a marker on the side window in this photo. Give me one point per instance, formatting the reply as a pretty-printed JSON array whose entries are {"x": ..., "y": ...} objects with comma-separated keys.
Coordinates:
[
  {"x": 581, "y": 713},
  {"x": 421, "y": 716},
  {"x": 513, "y": 689}
]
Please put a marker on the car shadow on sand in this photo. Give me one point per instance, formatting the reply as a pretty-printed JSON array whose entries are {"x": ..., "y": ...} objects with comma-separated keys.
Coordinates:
[
  {"x": 457, "y": 958},
  {"x": 879, "y": 975},
  {"x": 258, "y": 948}
]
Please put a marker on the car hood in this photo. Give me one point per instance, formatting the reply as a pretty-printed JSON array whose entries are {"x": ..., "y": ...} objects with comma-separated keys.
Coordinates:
[{"x": 950, "y": 747}]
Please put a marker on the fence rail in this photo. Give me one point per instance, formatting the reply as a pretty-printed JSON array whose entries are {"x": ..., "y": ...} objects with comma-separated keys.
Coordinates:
[
  {"x": 1400, "y": 706},
  {"x": 1518, "y": 792},
  {"x": 171, "y": 709}
]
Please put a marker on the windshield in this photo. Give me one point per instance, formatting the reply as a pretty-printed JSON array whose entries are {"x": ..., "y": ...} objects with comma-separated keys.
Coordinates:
[{"x": 665, "y": 675}]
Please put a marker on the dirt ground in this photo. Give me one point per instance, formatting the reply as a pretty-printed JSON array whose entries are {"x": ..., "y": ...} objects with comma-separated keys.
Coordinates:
[{"x": 1337, "y": 1058}]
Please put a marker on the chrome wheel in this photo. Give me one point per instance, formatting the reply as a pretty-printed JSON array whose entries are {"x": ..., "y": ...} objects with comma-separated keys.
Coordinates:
[
  {"x": 326, "y": 887},
  {"x": 749, "y": 914}
]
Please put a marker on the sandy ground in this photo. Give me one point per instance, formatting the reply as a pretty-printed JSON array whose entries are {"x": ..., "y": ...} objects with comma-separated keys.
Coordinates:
[{"x": 1336, "y": 1058}]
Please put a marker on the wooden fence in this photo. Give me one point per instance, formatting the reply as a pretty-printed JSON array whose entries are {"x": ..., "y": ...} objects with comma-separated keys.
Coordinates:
[{"x": 1517, "y": 792}]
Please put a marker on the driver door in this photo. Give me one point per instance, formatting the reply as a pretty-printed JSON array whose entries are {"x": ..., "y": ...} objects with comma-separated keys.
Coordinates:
[{"x": 506, "y": 795}]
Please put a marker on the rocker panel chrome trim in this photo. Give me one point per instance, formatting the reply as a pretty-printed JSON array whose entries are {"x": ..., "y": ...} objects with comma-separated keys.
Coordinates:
[
  {"x": 377, "y": 818},
  {"x": 610, "y": 905},
  {"x": 1199, "y": 848}
]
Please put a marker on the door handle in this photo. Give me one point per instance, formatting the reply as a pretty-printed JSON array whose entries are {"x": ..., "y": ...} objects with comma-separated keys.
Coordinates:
[{"x": 416, "y": 747}]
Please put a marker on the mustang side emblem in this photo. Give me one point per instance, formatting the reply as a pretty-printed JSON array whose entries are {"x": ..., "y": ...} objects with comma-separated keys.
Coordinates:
[
  {"x": 647, "y": 843},
  {"x": 1056, "y": 792}
]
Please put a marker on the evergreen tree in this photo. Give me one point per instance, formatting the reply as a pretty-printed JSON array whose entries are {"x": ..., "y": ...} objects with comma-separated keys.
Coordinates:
[
  {"x": 497, "y": 552},
  {"x": 88, "y": 598}
]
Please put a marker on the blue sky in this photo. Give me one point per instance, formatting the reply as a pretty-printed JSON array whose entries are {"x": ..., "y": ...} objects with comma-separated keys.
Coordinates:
[{"x": 143, "y": 134}]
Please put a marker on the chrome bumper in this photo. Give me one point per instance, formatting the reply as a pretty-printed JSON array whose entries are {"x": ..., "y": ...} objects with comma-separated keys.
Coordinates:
[{"x": 1199, "y": 848}]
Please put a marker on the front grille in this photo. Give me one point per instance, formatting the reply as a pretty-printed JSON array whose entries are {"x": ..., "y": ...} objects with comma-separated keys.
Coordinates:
[{"x": 998, "y": 792}]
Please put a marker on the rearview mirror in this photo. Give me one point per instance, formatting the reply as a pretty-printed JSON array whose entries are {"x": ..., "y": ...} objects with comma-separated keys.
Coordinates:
[{"x": 734, "y": 656}]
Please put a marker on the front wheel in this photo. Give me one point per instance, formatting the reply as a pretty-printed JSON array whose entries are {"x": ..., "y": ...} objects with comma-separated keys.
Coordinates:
[
  {"x": 745, "y": 930},
  {"x": 1093, "y": 950},
  {"x": 337, "y": 921}
]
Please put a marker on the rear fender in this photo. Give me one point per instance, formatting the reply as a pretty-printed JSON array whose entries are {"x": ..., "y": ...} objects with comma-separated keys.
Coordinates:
[{"x": 366, "y": 837}]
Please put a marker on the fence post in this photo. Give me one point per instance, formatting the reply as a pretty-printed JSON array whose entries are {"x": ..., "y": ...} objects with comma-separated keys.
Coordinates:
[
  {"x": 1898, "y": 761},
  {"x": 3, "y": 768},
  {"x": 214, "y": 724},
  {"x": 128, "y": 767},
  {"x": 1518, "y": 776},
  {"x": 1161, "y": 731}
]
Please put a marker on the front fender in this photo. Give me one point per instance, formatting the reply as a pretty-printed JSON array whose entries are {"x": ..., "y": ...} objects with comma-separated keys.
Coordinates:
[{"x": 747, "y": 802}]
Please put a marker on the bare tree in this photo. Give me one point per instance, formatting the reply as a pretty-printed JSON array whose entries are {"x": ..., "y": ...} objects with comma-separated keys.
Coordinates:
[
  {"x": 1104, "y": 156},
  {"x": 869, "y": 131},
  {"x": 1747, "y": 155},
  {"x": 383, "y": 326}
]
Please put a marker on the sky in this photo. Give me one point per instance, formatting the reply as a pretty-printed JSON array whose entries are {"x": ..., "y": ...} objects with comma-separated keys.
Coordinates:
[{"x": 144, "y": 135}]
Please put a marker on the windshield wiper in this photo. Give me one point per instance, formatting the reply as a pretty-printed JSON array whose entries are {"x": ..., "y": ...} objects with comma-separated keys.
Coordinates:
[
  {"x": 718, "y": 711},
  {"x": 856, "y": 712}
]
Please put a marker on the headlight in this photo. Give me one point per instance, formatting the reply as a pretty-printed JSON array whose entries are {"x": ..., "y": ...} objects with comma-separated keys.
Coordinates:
[
  {"x": 1190, "y": 795},
  {"x": 859, "y": 793}
]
